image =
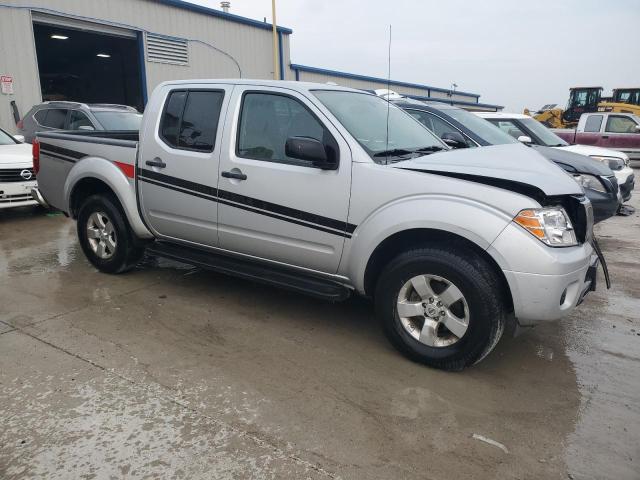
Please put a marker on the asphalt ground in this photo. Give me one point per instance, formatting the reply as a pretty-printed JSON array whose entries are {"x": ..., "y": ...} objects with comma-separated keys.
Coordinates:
[{"x": 173, "y": 372}]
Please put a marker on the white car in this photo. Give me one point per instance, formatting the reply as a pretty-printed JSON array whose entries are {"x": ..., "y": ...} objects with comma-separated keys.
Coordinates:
[
  {"x": 16, "y": 172},
  {"x": 529, "y": 130}
]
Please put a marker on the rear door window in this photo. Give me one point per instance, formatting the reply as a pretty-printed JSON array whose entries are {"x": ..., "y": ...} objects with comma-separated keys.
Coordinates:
[
  {"x": 593, "y": 123},
  {"x": 190, "y": 119},
  {"x": 52, "y": 117}
]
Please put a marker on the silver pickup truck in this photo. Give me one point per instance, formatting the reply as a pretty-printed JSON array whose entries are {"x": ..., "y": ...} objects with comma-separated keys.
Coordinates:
[{"x": 327, "y": 191}]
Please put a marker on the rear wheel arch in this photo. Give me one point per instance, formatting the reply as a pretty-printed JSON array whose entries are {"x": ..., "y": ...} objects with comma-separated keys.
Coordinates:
[
  {"x": 85, "y": 188},
  {"x": 406, "y": 240}
]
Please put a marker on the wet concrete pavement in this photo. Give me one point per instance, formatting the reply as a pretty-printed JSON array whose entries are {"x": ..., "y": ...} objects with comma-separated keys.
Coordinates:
[{"x": 173, "y": 372}]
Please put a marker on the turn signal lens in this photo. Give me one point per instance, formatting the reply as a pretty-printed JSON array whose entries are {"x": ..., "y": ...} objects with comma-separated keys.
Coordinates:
[{"x": 550, "y": 225}]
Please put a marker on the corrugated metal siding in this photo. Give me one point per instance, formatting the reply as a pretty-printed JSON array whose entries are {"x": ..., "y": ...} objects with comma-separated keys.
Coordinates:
[
  {"x": 251, "y": 46},
  {"x": 18, "y": 59},
  {"x": 371, "y": 85}
]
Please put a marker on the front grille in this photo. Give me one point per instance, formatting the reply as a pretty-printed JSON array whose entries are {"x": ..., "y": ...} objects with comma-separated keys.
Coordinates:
[
  {"x": 13, "y": 175},
  {"x": 21, "y": 197}
]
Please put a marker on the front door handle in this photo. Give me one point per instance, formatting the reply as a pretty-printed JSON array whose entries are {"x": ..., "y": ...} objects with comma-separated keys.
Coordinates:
[
  {"x": 156, "y": 162},
  {"x": 605, "y": 136},
  {"x": 237, "y": 175}
]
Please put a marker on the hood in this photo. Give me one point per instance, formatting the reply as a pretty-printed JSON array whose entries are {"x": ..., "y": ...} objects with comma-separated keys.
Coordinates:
[
  {"x": 573, "y": 162},
  {"x": 513, "y": 163},
  {"x": 18, "y": 155},
  {"x": 590, "y": 150}
]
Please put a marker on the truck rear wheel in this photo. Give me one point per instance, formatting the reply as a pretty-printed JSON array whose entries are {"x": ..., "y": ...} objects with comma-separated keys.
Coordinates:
[
  {"x": 441, "y": 307},
  {"x": 105, "y": 236}
]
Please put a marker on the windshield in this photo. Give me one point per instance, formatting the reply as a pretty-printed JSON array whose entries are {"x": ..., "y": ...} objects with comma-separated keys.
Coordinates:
[
  {"x": 6, "y": 139},
  {"x": 365, "y": 117},
  {"x": 546, "y": 136},
  {"x": 482, "y": 128},
  {"x": 119, "y": 120}
]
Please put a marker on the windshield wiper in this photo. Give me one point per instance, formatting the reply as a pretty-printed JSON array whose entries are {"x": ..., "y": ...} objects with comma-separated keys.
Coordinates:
[
  {"x": 432, "y": 148},
  {"x": 394, "y": 152},
  {"x": 398, "y": 152}
]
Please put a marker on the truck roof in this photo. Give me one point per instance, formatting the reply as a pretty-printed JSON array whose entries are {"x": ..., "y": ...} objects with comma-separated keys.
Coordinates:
[{"x": 290, "y": 84}]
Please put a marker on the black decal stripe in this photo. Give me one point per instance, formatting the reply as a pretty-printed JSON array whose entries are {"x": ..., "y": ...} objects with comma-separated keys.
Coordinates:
[
  {"x": 282, "y": 210},
  {"x": 244, "y": 207},
  {"x": 286, "y": 219},
  {"x": 178, "y": 189},
  {"x": 243, "y": 202},
  {"x": 62, "y": 151},
  {"x": 59, "y": 157},
  {"x": 178, "y": 182}
]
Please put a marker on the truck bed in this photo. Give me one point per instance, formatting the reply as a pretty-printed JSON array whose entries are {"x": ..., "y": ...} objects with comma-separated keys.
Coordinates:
[{"x": 65, "y": 154}]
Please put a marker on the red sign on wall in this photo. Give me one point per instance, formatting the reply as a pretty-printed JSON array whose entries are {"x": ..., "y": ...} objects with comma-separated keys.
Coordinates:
[{"x": 6, "y": 84}]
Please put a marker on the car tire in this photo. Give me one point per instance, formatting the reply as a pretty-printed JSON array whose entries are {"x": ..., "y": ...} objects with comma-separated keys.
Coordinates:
[
  {"x": 105, "y": 236},
  {"x": 403, "y": 305}
]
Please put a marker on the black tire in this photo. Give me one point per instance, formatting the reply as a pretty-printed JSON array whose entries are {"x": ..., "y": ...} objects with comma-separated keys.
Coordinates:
[
  {"x": 127, "y": 250},
  {"x": 481, "y": 288}
]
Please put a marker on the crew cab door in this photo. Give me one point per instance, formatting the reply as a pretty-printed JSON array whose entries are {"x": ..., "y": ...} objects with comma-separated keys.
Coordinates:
[
  {"x": 273, "y": 206},
  {"x": 620, "y": 132},
  {"x": 178, "y": 163}
]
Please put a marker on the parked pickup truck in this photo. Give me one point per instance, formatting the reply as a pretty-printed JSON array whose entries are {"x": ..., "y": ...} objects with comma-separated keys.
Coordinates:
[
  {"x": 327, "y": 191},
  {"x": 618, "y": 131}
]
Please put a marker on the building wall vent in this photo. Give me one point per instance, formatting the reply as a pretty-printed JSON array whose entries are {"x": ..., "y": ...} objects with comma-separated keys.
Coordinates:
[{"x": 167, "y": 50}]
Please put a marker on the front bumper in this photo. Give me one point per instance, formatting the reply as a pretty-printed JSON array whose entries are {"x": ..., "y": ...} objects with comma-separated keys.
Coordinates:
[
  {"x": 16, "y": 194},
  {"x": 546, "y": 283},
  {"x": 37, "y": 196},
  {"x": 544, "y": 298}
]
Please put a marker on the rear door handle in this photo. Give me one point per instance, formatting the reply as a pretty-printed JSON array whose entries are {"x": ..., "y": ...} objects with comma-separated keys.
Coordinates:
[
  {"x": 156, "y": 162},
  {"x": 237, "y": 175}
]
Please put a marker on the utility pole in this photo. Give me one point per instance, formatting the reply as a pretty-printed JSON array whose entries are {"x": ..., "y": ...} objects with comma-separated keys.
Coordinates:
[{"x": 276, "y": 70}]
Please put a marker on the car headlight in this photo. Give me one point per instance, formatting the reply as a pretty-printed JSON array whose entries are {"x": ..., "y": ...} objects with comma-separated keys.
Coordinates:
[
  {"x": 612, "y": 162},
  {"x": 590, "y": 182},
  {"x": 550, "y": 225}
]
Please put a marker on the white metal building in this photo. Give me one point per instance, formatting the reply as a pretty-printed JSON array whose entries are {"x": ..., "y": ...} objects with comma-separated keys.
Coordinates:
[
  {"x": 469, "y": 101},
  {"x": 117, "y": 51}
]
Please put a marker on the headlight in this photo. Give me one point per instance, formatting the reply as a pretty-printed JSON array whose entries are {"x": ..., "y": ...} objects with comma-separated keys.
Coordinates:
[
  {"x": 612, "y": 162},
  {"x": 550, "y": 225},
  {"x": 590, "y": 182}
]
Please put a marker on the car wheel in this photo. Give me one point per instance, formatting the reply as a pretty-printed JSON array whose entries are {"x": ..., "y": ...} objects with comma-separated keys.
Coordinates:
[
  {"x": 441, "y": 307},
  {"x": 105, "y": 236}
]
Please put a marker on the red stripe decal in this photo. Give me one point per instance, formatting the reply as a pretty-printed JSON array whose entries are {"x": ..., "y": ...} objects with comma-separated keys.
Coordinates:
[{"x": 126, "y": 168}]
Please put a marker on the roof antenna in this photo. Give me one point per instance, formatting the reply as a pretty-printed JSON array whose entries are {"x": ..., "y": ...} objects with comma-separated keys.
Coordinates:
[{"x": 388, "y": 89}]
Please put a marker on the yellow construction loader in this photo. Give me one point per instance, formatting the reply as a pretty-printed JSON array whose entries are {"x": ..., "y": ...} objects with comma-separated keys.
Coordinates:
[{"x": 584, "y": 100}]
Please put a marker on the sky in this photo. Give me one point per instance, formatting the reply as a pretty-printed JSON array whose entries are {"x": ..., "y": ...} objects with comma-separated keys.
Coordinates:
[{"x": 513, "y": 53}]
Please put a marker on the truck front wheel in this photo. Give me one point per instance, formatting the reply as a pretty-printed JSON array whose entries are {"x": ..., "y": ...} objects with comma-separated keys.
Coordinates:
[
  {"x": 105, "y": 236},
  {"x": 441, "y": 307}
]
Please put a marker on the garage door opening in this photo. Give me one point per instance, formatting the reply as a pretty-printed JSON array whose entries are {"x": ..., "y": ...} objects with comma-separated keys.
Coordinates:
[{"x": 89, "y": 67}]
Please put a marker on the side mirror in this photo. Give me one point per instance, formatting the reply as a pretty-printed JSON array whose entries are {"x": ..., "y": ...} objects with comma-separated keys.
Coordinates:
[
  {"x": 525, "y": 139},
  {"x": 87, "y": 128},
  {"x": 637, "y": 128},
  {"x": 454, "y": 139},
  {"x": 19, "y": 138},
  {"x": 306, "y": 148}
]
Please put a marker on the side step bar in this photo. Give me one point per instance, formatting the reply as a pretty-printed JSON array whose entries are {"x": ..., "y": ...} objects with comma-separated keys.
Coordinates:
[{"x": 258, "y": 272}]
